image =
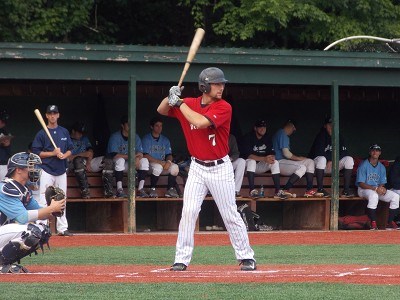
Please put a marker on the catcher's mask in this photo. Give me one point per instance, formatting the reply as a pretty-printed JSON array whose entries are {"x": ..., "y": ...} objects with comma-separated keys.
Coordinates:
[
  {"x": 25, "y": 160},
  {"x": 210, "y": 75}
]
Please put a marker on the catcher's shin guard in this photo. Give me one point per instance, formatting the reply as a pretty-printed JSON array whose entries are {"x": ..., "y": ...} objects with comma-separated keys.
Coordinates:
[
  {"x": 83, "y": 183},
  {"x": 22, "y": 246},
  {"x": 80, "y": 174},
  {"x": 107, "y": 177}
]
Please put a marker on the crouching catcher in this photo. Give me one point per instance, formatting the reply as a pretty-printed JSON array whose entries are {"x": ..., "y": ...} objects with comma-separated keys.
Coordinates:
[{"x": 20, "y": 236}]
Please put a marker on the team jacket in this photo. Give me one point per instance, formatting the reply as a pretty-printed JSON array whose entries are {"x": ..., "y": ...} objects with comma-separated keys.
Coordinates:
[
  {"x": 322, "y": 146},
  {"x": 250, "y": 144}
]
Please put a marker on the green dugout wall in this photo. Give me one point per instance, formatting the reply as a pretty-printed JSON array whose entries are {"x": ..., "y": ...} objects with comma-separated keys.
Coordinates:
[{"x": 99, "y": 83}]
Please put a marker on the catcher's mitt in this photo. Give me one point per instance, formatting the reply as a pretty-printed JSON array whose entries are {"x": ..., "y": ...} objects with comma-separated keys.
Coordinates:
[{"x": 54, "y": 193}]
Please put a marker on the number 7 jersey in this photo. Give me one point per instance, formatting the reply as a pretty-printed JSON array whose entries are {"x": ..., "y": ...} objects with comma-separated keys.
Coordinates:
[{"x": 209, "y": 143}]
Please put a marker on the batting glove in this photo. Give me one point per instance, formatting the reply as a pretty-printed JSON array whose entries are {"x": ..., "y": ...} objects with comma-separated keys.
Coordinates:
[
  {"x": 174, "y": 100},
  {"x": 175, "y": 90}
]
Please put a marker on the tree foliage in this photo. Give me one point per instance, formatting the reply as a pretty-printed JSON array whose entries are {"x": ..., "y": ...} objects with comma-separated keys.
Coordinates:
[{"x": 296, "y": 24}]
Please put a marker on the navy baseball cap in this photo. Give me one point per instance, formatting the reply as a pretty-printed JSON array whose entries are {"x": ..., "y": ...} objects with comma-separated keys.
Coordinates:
[
  {"x": 375, "y": 147},
  {"x": 79, "y": 126},
  {"x": 260, "y": 123},
  {"x": 328, "y": 120},
  {"x": 52, "y": 108},
  {"x": 124, "y": 119}
]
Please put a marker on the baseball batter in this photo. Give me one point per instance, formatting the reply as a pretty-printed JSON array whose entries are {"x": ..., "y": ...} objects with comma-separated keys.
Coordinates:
[
  {"x": 20, "y": 237},
  {"x": 205, "y": 121},
  {"x": 54, "y": 161}
]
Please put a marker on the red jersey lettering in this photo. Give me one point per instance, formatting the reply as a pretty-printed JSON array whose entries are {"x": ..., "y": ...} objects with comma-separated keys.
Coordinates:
[{"x": 207, "y": 143}]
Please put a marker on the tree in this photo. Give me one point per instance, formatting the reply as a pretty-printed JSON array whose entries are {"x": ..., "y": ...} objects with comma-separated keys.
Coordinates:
[
  {"x": 296, "y": 23},
  {"x": 41, "y": 20}
]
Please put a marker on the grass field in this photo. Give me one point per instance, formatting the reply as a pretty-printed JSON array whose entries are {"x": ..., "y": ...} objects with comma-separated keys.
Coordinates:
[{"x": 209, "y": 255}]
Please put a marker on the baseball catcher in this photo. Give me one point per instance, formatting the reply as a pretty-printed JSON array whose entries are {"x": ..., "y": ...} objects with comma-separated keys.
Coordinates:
[{"x": 20, "y": 234}]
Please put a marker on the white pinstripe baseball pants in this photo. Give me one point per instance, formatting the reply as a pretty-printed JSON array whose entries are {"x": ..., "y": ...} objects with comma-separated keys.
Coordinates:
[{"x": 219, "y": 180}]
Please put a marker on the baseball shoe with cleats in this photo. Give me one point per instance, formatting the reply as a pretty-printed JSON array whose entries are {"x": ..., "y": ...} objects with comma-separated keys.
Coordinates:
[
  {"x": 254, "y": 194},
  {"x": 280, "y": 195},
  {"x": 172, "y": 193},
  {"x": 322, "y": 193},
  {"x": 142, "y": 194},
  {"x": 248, "y": 265},
  {"x": 178, "y": 267},
  {"x": 392, "y": 226},
  {"x": 121, "y": 194},
  {"x": 373, "y": 226},
  {"x": 289, "y": 194},
  {"x": 13, "y": 268},
  {"x": 65, "y": 233},
  {"x": 153, "y": 193},
  {"x": 348, "y": 194},
  {"x": 310, "y": 193}
]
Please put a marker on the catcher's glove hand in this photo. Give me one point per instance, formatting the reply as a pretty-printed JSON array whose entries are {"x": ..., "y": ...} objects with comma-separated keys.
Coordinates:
[{"x": 54, "y": 193}]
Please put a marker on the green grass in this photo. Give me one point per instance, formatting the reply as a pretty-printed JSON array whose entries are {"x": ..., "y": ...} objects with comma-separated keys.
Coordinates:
[
  {"x": 223, "y": 255},
  {"x": 186, "y": 291}
]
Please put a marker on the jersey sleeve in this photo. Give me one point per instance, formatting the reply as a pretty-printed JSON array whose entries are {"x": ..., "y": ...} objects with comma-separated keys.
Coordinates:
[
  {"x": 112, "y": 146},
  {"x": 139, "y": 145},
  {"x": 382, "y": 177},
  {"x": 168, "y": 149},
  {"x": 361, "y": 174},
  {"x": 146, "y": 144},
  {"x": 219, "y": 113},
  {"x": 37, "y": 144}
]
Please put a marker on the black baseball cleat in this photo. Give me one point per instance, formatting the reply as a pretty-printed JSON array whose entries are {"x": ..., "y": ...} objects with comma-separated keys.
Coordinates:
[
  {"x": 248, "y": 265},
  {"x": 13, "y": 268},
  {"x": 178, "y": 267}
]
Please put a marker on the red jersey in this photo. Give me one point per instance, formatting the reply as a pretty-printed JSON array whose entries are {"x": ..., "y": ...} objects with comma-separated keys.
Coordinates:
[{"x": 207, "y": 143}]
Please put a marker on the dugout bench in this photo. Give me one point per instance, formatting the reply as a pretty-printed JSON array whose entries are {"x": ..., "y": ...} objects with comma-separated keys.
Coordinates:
[{"x": 99, "y": 214}]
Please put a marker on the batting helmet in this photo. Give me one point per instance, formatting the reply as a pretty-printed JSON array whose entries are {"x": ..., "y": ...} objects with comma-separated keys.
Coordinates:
[
  {"x": 25, "y": 160},
  {"x": 210, "y": 75}
]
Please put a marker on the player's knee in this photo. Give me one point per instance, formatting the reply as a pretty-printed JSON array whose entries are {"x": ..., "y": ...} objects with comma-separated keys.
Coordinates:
[
  {"x": 349, "y": 163},
  {"x": 301, "y": 171},
  {"x": 144, "y": 164},
  {"x": 320, "y": 162},
  {"x": 174, "y": 170},
  {"x": 373, "y": 201},
  {"x": 310, "y": 165},
  {"x": 22, "y": 246},
  {"x": 251, "y": 165},
  {"x": 157, "y": 169},
  {"x": 275, "y": 168},
  {"x": 119, "y": 164},
  {"x": 79, "y": 164}
]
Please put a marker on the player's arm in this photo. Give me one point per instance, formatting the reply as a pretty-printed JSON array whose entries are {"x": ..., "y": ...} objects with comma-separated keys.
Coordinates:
[
  {"x": 164, "y": 107},
  {"x": 365, "y": 186},
  {"x": 40, "y": 214},
  {"x": 289, "y": 155}
]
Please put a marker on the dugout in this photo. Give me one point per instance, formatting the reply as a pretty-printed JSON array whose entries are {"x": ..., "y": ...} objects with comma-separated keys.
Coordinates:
[{"x": 99, "y": 83}]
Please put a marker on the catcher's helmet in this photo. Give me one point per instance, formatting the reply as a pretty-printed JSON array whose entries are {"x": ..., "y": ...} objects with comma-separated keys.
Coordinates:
[
  {"x": 25, "y": 160},
  {"x": 210, "y": 75}
]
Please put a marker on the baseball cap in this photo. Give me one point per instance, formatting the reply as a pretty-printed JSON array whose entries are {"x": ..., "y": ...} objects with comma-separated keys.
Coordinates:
[
  {"x": 375, "y": 147},
  {"x": 328, "y": 120},
  {"x": 260, "y": 123},
  {"x": 51, "y": 108},
  {"x": 124, "y": 119},
  {"x": 79, "y": 126}
]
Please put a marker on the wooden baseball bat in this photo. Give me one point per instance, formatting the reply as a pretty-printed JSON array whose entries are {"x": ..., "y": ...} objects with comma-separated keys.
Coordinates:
[
  {"x": 40, "y": 118},
  {"x": 198, "y": 37}
]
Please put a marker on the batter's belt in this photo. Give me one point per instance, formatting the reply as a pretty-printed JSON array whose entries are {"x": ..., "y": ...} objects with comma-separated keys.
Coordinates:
[{"x": 212, "y": 163}]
